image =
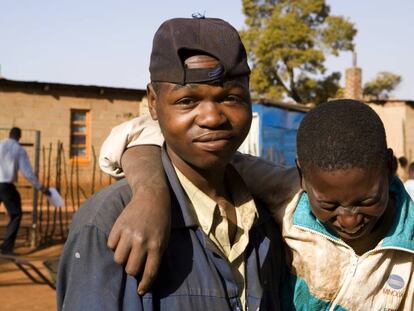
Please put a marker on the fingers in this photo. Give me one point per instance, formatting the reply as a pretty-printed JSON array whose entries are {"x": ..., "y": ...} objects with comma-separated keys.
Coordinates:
[
  {"x": 114, "y": 236},
  {"x": 122, "y": 251},
  {"x": 136, "y": 261},
  {"x": 150, "y": 272}
]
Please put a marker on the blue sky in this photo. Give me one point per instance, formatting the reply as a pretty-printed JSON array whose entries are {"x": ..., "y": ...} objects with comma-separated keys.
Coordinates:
[{"x": 102, "y": 42}]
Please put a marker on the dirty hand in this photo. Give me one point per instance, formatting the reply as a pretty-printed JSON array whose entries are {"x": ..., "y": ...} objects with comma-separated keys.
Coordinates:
[{"x": 140, "y": 234}]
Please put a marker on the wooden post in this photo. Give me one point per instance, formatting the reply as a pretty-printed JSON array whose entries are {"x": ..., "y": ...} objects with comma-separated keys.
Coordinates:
[{"x": 34, "y": 239}]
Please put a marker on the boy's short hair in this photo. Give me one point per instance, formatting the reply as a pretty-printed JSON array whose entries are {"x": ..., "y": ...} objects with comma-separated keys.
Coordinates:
[
  {"x": 180, "y": 38},
  {"x": 341, "y": 134}
]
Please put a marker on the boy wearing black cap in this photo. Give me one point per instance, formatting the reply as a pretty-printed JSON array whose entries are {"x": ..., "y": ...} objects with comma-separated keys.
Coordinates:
[{"x": 224, "y": 249}]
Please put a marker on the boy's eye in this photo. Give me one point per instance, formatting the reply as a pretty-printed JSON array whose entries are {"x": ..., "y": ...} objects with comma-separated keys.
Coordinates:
[
  {"x": 372, "y": 200},
  {"x": 186, "y": 101},
  {"x": 329, "y": 206},
  {"x": 369, "y": 202},
  {"x": 235, "y": 99}
]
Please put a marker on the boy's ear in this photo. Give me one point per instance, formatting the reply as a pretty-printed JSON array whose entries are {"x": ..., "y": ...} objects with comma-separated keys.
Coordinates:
[
  {"x": 392, "y": 166},
  {"x": 152, "y": 101},
  {"x": 302, "y": 184}
]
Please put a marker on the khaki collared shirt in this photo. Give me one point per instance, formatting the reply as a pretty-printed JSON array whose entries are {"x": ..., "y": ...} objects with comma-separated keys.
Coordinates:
[{"x": 213, "y": 221}]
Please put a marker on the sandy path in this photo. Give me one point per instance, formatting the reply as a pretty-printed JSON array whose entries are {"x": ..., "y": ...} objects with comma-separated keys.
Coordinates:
[{"x": 18, "y": 292}]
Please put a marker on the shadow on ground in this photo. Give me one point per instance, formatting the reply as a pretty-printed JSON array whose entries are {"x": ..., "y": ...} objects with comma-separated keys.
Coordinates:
[{"x": 18, "y": 292}]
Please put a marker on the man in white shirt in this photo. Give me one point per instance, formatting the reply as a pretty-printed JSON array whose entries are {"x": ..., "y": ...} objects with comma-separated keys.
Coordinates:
[
  {"x": 409, "y": 184},
  {"x": 12, "y": 158}
]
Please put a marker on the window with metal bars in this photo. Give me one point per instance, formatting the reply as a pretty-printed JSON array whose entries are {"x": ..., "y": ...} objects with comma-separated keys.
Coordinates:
[{"x": 79, "y": 134}]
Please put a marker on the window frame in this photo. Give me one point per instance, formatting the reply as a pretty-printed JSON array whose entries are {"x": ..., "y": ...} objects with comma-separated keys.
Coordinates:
[{"x": 86, "y": 123}]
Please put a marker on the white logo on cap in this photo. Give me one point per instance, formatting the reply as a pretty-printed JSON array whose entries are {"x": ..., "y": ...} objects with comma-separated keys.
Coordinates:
[{"x": 216, "y": 72}]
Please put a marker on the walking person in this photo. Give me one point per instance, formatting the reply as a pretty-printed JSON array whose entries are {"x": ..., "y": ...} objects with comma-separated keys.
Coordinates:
[{"x": 13, "y": 158}]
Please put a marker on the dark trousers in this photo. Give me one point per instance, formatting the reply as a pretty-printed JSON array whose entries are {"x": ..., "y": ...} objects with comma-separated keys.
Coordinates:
[{"x": 13, "y": 203}]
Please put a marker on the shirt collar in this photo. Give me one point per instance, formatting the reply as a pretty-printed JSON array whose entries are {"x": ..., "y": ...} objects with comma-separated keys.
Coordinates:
[
  {"x": 205, "y": 208},
  {"x": 241, "y": 197},
  {"x": 401, "y": 234},
  {"x": 181, "y": 214}
]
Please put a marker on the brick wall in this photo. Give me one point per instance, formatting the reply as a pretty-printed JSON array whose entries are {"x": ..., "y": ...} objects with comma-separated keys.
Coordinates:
[
  {"x": 409, "y": 133},
  {"x": 353, "y": 83},
  {"x": 49, "y": 112}
]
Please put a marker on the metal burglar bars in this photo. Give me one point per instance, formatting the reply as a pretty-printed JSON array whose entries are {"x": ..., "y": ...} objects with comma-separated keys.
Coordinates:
[{"x": 52, "y": 164}]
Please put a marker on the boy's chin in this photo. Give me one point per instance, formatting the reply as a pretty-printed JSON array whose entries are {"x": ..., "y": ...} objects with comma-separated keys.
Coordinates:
[
  {"x": 212, "y": 165},
  {"x": 211, "y": 162}
]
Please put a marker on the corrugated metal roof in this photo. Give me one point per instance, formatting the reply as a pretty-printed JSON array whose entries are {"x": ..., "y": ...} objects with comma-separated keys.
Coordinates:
[
  {"x": 386, "y": 101},
  {"x": 288, "y": 106},
  {"x": 57, "y": 88}
]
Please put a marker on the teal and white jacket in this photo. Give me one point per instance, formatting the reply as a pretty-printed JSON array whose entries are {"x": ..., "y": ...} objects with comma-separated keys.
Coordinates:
[{"x": 326, "y": 274}]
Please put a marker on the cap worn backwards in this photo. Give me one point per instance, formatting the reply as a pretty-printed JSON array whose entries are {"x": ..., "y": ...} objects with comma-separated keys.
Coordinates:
[{"x": 180, "y": 37}]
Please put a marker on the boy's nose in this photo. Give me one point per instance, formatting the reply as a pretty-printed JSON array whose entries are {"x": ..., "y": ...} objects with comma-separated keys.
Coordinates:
[
  {"x": 210, "y": 115},
  {"x": 350, "y": 220}
]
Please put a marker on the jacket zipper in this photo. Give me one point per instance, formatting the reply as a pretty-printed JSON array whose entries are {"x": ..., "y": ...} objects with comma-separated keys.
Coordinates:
[{"x": 355, "y": 256}]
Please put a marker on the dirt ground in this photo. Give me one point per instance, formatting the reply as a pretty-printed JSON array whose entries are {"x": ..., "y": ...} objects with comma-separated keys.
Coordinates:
[{"x": 18, "y": 292}]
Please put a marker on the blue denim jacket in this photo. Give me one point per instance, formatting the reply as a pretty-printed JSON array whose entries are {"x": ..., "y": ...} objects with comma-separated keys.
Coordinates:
[{"x": 194, "y": 275}]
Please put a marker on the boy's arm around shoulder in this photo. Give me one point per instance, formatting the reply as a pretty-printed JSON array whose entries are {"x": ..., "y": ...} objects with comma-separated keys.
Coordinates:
[
  {"x": 275, "y": 185},
  {"x": 138, "y": 131},
  {"x": 141, "y": 232}
]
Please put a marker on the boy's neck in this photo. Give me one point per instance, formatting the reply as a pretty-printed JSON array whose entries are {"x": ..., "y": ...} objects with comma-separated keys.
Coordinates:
[{"x": 211, "y": 181}]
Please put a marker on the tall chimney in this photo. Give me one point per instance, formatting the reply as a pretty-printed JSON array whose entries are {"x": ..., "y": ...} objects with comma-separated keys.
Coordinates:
[{"x": 353, "y": 80}]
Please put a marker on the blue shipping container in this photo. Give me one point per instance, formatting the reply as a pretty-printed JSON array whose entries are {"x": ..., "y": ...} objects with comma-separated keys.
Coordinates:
[{"x": 273, "y": 132}]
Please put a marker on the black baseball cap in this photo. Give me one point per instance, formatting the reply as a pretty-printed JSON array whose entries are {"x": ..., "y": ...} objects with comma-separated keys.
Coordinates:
[{"x": 178, "y": 38}]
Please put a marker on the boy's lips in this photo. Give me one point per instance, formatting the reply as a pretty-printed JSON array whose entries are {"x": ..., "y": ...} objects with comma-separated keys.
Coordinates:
[
  {"x": 213, "y": 141},
  {"x": 353, "y": 230},
  {"x": 213, "y": 136}
]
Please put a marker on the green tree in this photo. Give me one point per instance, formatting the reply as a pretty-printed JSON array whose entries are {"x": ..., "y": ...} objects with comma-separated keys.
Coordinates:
[
  {"x": 382, "y": 85},
  {"x": 287, "y": 42}
]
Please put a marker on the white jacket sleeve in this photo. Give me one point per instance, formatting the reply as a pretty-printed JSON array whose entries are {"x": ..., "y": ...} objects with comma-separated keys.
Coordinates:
[
  {"x": 26, "y": 169},
  {"x": 138, "y": 131}
]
